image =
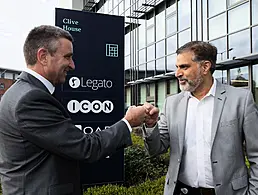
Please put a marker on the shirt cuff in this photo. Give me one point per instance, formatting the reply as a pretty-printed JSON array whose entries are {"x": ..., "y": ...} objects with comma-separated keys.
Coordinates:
[{"x": 128, "y": 125}]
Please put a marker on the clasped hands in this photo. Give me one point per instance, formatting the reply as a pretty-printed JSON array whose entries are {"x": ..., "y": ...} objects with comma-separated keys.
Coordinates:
[{"x": 137, "y": 115}]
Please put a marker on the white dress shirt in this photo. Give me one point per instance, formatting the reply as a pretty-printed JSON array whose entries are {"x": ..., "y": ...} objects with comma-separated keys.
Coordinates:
[
  {"x": 195, "y": 169},
  {"x": 46, "y": 82}
]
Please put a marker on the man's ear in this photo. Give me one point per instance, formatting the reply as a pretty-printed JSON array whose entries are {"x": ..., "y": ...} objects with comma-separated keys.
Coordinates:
[
  {"x": 206, "y": 66},
  {"x": 42, "y": 56}
]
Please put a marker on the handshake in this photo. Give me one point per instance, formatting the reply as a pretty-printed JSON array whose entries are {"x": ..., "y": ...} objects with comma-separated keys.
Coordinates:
[{"x": 137, "y": 115}]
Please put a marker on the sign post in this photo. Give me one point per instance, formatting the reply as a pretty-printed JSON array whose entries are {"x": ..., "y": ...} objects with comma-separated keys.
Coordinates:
[{"x": 94, "y": 93}]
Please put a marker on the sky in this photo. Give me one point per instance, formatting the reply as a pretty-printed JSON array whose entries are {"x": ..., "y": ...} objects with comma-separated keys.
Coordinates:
[{"x": 17, "y": 18}]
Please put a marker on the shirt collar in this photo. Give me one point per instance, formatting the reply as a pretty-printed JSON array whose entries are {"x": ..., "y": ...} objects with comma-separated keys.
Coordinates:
[
  {"x": 211, "y": 92},
  {"x": 46, "y": 82}
]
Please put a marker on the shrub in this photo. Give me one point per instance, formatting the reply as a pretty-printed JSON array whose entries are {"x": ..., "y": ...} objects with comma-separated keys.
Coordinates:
[{"x": 146, "y": 188}]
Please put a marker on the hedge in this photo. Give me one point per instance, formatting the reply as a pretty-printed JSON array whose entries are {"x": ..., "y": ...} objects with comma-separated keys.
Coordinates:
[{"x": 147, "y": 188}]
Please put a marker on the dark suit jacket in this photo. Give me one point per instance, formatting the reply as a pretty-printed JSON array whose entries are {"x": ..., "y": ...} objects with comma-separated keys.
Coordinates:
[{"x": 40, "y": 148}]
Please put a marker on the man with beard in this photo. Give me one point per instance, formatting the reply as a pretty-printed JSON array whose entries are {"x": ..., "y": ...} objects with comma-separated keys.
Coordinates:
[{"x": 205, "y": 126}]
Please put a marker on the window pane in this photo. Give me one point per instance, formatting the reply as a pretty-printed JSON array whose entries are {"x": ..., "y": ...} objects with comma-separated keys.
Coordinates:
[
  {"x": 142, "y": 42},
  {"x": 171, "y": 24},
  {"x": 121, "y": 8},
  {"x": 184, "y": 37},
  {"x": 171, "y": 63},
  {"x": 171, "y": 9},
  {"x": 150, "y": 35},
  {"x": 160, "y": 26},
  {"x": 238, "y": 18},
  {"x": 141, "y": 71},
  {"x": 127, "y": 44},
  {"x": 160, "y": 66},
  {"x": 127, "y": 62},
  {"x": 142, "y": 93},
  {"x": 151, "y": 53},
  {"x": 255, "y": 39},
  {"x": 150, "y": 69},
  {"x": 254, "y": 11},
  {"x": 217, "y": 26},
  {"x": 194, "y": 26},
  {"x": 171, "y": 44},
  {"x": 233, "y": 2},
  {"x": 205, "y": 16},
  {"x": 172, "y": 87},
  {"x": 128, "y": 97},
  {"x": 127, "y": 4},
  {"x": 160, "y": 49},
  {"x": 184, "y": 14},
  {"x": 221, "y": 47},
  {"x": 216, "y": 6},
  {"x": 142, "y": 56},
  {"x": 240, "y": 42},
  {"x": 161, "y": 88},
  {"x": 239, "y": 77},
  {"x": 221, "y": 76}
]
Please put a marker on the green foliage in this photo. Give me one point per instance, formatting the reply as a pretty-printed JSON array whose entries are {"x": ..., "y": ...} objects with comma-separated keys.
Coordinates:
[
  {"x": 139, "y": 167},
  {"x": 147, "y": 188}
]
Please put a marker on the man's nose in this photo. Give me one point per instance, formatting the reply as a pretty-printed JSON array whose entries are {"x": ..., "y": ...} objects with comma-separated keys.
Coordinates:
[
  {"x": 72, "y": 65},
  {"x": 178, "y": 73}
]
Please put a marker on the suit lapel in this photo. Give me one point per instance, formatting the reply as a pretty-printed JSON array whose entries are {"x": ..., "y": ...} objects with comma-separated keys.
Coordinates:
[
  {"x": 182, "y": 108},
  {"x": 219, "y": 100}
]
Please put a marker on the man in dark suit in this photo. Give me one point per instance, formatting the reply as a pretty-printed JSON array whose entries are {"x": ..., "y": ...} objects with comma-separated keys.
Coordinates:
[
  {"x": 40, "y": 148},
  {"x": 205, "y": 126}
]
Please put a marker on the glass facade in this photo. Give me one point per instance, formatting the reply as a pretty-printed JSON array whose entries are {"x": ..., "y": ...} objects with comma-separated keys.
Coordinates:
[{"x": 155, "y": 29}]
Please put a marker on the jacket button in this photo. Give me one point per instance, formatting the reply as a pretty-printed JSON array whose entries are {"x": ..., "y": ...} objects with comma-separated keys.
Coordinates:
[{"x": 178, "y": 160}]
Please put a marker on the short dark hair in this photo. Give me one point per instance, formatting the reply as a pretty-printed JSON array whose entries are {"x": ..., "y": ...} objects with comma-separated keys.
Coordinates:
[
  {"x": 44, "y": 36},
  {"x": 202, "y": 51}
]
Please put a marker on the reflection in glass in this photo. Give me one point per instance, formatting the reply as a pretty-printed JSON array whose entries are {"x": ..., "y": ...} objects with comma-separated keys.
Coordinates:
[
  {"x": 184, "y": 14},
  {"x": 141, "y": 71},
  {"x": 217, "y": 26},
  {"x": 142, "y": 56},
  {"x": 216, "y": 7},
  {"x": 171, "y": 24},
  {"x": 150, "y": 35},
  {"x": 160, "y": 49},
  {"x": 184, "y": 37},
  {"x": 142, "y": 42},
  {"x": 240, "y": 42},
  {"x": 151, "y": 53},
  {"x": 255, "y": 39},
  {"x": 160, "y": 26},
  {"x": 221, "y": 48},
  {"x": 151, "y": 69},
  {"x": 171, "y": 63},
  {"x": 160, "y": 66},
  {"x": 221, "y": 76},
  {"x": 239, "y": 77},
  {"x": 239, "y": 18},
  {"x": 255, "y": 82},
  {"x": 254, "y": 12},
  {"x": 171, "y": 44}
]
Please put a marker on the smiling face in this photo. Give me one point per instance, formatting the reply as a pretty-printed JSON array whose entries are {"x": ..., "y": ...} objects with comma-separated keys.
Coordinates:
[
  {"x": 59, "y": 63},
  {"x": 189, "y": 73}
]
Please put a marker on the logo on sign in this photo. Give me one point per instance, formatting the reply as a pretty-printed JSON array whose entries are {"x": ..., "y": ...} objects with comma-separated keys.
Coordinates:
[
  {"x": 74, "y": 82},
  {"x": 89, "y": 130},
  {"x": 93, "y": 84},
  {"x": 111, "y": 50},
  {"x": 86, "y": 106}
]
